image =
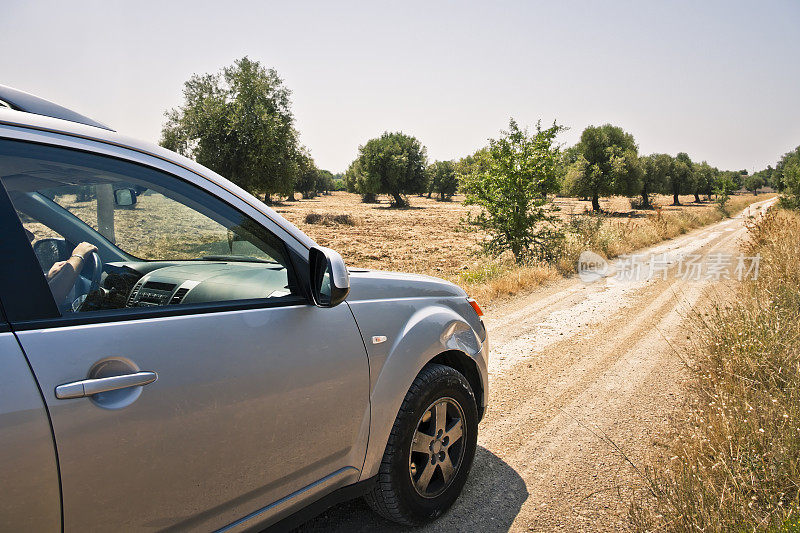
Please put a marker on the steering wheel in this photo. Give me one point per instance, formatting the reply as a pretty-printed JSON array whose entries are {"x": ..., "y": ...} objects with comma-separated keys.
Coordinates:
[
  {"x": 90, "y": 275},
  {"x": 96, "y": 265}
]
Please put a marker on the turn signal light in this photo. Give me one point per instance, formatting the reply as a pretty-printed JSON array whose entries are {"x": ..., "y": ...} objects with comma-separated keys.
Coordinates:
[{"x": 475, "y": 306}]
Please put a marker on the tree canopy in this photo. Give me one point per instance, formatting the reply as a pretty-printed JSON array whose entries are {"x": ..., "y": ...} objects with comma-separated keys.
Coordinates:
[{"x": 239, "y": 123}]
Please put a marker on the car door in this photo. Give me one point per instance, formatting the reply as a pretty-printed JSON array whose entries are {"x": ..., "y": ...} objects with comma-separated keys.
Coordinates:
[
  {"x": 29, "y": 492},
  {"x": 236, "y": 406}
]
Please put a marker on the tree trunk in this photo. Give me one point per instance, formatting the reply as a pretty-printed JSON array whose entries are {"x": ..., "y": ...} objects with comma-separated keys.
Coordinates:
[
  {"x": 398, "y": 200},
  {"x": 291, "y": 198},
  {"x": 645, "y": 198},
  {"x": 105, "y": 211},
  {"x": 595, "y": 203},
  {"x": 675, "y": 199},
  {"x": 697, "y": 198}
]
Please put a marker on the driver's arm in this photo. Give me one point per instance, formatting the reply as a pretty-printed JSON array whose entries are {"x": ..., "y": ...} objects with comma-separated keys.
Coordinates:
[{"x": 62, "y": 275}]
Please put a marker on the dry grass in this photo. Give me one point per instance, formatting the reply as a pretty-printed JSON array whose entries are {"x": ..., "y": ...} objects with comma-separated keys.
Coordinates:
[
  {"x": 498, "y": 279},
  {"x": 429, "y": 238},
  {"x": 736, "y": 465},
  {"x": 612, "y": 236}
]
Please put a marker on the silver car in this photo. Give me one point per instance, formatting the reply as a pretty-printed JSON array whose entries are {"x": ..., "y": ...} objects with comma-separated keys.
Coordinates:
[{"x": 176, "y": 355}]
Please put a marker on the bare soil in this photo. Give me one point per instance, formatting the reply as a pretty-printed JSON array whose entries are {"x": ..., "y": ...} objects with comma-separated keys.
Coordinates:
[{"x": 584, "y": 380}]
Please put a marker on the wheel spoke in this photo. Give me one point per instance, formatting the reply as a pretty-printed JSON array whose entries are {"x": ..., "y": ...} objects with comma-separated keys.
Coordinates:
[
  {"x": 440, "y": 414},
  {"x": 424, "y": 479},
  {"x": 421, "y": 443},
  {"x": 447, "y": 468},
  {"x": 455, "y": 432}
]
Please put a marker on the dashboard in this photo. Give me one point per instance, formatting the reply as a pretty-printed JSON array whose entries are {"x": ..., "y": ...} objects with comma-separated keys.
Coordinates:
[{"x": 150, "y": 284}]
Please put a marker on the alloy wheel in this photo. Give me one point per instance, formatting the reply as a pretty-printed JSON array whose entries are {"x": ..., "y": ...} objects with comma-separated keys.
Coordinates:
[{"x": 437, "y": 449}]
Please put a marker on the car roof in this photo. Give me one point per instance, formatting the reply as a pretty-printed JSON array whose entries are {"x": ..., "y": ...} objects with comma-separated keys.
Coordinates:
[
  {"x": 29, "y": 103},
  {"x": 23, "y": 119}
]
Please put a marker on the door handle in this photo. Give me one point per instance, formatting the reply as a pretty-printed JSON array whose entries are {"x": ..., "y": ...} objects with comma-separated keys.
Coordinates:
[{"x": 88, "y": 387}]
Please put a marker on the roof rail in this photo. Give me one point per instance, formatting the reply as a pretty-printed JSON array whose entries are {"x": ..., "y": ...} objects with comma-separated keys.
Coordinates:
[{"x": 22, "y": 101}]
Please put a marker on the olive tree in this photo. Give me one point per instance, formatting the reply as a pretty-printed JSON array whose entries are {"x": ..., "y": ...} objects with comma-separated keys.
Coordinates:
[
  {"x": 392, "y": 164},
  {"x": 307, "y": 175},
  {"x": 704, "y": 177},
  {"x": 239, "y": 123},
  {"x": 754, "y": 182},
  {"x": 723, "y": 188},
  {"x": 442, "y": 179},
  {"x": 606, "y": 163},
  {"x": 511, "y": 183},
  {"x": 324, "y": 183},
  {"x": 360, "y": 182},
  {"x": 655, "y": 173},
  {"x": 680, "y": 178}
]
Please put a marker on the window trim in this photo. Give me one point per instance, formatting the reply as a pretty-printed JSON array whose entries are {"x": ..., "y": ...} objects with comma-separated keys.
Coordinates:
[
  {"x": 38, "y": 309},
  {"x": 22, "y": 286},
  {"x": 130, "y": 314},
  {"x": 4, "y": 327}
]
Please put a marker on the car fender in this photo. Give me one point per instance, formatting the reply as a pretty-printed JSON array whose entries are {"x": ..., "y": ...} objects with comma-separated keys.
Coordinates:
[{"x": 414, "y": 340}]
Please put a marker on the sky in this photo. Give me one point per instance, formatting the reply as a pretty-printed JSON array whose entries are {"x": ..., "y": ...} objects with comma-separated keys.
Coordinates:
[{"x": 716, "y": 79}]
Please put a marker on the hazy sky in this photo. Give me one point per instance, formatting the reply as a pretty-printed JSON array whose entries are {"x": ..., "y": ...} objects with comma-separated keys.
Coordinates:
[{"x": 719, "y": 80}]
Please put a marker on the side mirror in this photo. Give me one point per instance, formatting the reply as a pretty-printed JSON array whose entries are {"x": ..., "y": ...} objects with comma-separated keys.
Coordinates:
[
  {"x": 124, "y": 197},
  {"x": 330, "y": 282}
]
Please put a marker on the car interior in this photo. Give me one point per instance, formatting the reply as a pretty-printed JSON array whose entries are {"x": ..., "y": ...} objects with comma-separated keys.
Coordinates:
[{"x": 145, "y": 259}]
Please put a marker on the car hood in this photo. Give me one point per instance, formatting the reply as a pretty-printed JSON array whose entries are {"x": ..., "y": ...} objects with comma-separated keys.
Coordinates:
[{"x": 378, "y": 285}]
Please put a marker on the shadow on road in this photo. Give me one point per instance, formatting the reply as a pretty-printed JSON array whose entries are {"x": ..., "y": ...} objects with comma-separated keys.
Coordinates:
[{"x": 492, "y": 498}]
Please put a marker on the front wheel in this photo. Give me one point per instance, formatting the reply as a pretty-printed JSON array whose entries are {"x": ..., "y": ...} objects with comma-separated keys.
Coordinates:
[{"x": 430, "y": 448}]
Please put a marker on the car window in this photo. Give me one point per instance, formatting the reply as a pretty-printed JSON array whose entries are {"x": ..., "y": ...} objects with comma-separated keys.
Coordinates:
[
  {"x": 155, "y": 226},
  {"x": 111, "y": 234}
]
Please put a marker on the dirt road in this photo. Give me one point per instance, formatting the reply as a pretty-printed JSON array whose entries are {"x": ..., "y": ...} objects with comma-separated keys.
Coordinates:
[{"x": 571, "y": 365}]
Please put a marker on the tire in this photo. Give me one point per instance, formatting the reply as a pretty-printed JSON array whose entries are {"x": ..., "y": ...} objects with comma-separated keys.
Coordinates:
[{"x": 415, "y": 487}]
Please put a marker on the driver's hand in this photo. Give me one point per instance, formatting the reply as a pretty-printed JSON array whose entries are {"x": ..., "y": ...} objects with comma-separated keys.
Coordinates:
[
  {"x": 84, "y": 249},
  {"x": 55, "y": 269}
]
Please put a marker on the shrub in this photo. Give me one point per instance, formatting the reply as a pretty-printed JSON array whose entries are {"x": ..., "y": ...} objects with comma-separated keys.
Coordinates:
[
  {"x": 330, "y": 219},
  {"x": 790, "y": 199},
  {"x": 723, "y": 189},
  {"x": 519, "y": 170}
]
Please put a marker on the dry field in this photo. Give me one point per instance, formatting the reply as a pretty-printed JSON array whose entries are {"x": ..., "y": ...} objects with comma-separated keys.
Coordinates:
[{"x": 430, "y": 238}]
